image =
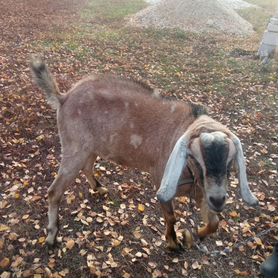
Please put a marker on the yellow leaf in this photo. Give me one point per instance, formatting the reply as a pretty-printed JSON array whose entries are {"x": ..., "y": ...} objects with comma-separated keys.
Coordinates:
[
  {"x": 17, "y": 196},
  {"x": 4, "y": 228},
  {"x": 4, "y": 263},
  {"x": 26, "y": 183},
  {"x": 241, "y": 273},
  {"x": 70, "y": 243},
  {"x": 234, "y": 214},
  {"x": 42, "y": 240},
  {"x": 116, "y": 243},
  {"x": 141, "y": 208}
]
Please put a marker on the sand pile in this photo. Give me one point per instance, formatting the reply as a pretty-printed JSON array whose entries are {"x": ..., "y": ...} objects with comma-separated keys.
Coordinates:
[{"x": 193, "y": 15}]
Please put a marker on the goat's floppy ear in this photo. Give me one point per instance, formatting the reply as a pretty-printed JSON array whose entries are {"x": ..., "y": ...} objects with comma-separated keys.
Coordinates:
[
  {"x": 246, "y": 193},
  {"x": 173, "y": 170}
]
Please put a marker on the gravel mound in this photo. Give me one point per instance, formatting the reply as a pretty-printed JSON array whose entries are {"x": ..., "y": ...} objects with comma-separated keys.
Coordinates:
[
  {"x": 237, "y": 4},
  {"x": 193, "y": 15}
]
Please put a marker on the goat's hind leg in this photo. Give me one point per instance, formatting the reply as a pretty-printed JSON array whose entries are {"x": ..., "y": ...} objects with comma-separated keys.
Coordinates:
[
  {"x": 94, "y": 183},
  {"x": 68, "y": 171}
]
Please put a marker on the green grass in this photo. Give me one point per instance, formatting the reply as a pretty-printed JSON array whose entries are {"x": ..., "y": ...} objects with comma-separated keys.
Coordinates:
[
  {"x": 66, "y": 45},
  {"x": 116, "y": 10},
  {"x": 259, "y": 17},
  {"x": 270, "y": 5}
]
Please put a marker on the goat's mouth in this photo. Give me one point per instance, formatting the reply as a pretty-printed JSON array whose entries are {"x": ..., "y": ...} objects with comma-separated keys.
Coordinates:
[{"x": 215, "y": 209}]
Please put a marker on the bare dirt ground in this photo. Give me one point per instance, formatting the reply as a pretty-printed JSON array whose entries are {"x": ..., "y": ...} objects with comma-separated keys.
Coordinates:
[{"x": 121, "y": 234}]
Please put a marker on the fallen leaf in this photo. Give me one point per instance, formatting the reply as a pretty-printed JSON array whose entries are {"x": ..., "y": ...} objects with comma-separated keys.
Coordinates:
[
  {"x": 258, "y": 241},
  {"x": 156, "y": 273},
  {"x": 219, "y": 243},
  {"x": 5, "y": 274},
  {"x": 139, "y": 254},
  {"x": 196, "y": 265},
  {"x": 141, "y": 208},
  {"x": 41, "y": 240},
  {"x": 126, "y": 275},
  {"x": 70, "y": 243},
  {"x": 1, "y": 244},
  {"x": 18, "y": 261},
  {"x": 4, "y": 263},
  {"x": 4, "y": 228},
  {"x": 241, "y": 273},
  {"x": 234, "y": 214},
  {"x": 116, "y": 242}
]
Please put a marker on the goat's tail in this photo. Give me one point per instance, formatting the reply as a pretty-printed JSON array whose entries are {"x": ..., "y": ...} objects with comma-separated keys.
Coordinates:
[{"x": 43, "y": 78}]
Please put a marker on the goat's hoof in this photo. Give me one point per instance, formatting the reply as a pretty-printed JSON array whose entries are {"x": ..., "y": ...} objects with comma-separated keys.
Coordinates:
[
  {"x": 202, "y": 232},
  {"x": 51, "y": 237},
  {"x": 50, "y": 243},
  {"x": 188, "y": 240},
  {"x": 102, "y": 190},
  {"x": 175, "y": 246}
]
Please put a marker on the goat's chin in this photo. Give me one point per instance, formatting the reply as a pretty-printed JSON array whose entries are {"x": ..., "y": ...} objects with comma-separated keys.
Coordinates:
[{"x": 214, "y": 209}]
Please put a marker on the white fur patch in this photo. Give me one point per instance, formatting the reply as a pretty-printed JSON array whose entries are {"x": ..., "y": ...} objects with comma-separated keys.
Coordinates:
[
  {"x": 208, "y": 138},
  {"x": 136, "y": 140},
  {"x": 131, "y": 125},
  {"x": 112, "y": 137},
  {"x": 173, "y": 107}
]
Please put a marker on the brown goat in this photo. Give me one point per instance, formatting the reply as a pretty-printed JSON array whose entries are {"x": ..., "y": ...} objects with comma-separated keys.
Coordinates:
[{"x": 123, "y": 121}]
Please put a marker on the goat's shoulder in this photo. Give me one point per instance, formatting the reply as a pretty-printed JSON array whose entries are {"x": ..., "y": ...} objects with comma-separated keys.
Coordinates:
[{"x": 204, "y": 123}]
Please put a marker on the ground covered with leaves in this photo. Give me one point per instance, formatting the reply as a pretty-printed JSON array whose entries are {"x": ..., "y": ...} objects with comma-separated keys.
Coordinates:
[{"x": 122, "y": 234}]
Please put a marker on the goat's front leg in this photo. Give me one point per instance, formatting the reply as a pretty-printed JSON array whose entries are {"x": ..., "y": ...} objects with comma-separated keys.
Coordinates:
[
  {"x": 171, "y": 238},
  {"x": 67, "y": 172},
  {"x": 210, "y": 218}
]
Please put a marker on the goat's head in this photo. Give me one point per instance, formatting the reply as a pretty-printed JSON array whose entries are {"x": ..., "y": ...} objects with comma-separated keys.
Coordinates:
[{"x": 214, "y": 152}]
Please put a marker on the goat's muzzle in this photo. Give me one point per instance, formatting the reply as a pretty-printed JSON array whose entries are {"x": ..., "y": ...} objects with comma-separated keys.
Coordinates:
[{"x": 216, "y": 204}]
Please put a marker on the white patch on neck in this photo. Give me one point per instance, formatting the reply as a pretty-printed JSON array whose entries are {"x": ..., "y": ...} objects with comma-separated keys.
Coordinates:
[{"x": 136, "y": 140}]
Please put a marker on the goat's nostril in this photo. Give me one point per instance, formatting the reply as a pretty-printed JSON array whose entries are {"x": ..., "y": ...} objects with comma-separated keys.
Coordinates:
[{"x": 217, "y": 202}]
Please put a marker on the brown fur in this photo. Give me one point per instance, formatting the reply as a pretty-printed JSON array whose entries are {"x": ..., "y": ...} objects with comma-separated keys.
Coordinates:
[{"x": 123, "y": 121}]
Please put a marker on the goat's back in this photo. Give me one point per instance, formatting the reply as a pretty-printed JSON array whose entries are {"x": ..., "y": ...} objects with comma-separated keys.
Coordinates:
[{"x": 122, "y": 121}]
